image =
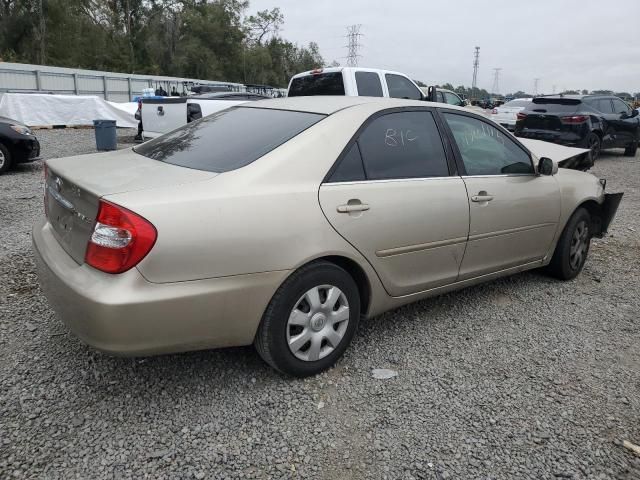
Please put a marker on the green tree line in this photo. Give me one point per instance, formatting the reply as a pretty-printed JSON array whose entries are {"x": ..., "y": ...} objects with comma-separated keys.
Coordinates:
[{"x": 206, "y": 39}]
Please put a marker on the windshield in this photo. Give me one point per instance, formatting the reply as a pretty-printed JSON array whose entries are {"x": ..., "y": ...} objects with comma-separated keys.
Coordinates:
[
  {"x": 228, "y": 140},
  {"x": 330, "y": 83}
]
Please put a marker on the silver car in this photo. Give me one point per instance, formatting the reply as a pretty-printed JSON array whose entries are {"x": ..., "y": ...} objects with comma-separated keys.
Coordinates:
[{"x": 282, "y": 222}]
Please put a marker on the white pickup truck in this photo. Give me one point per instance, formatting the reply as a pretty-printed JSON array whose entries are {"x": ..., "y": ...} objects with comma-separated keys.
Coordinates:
[
  {"x": 366, "y": 82},
  {"x": 162, "y": 115}
]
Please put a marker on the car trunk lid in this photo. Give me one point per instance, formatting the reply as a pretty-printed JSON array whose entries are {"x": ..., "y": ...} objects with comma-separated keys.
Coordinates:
[{"x": 74, "y": 186}]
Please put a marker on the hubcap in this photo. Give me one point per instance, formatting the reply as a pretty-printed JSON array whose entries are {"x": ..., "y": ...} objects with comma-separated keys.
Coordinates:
[
  {"x": 318, "y": 322},
  {"x": 1, "y": 159},
  {"x": 579, "y": 245}
]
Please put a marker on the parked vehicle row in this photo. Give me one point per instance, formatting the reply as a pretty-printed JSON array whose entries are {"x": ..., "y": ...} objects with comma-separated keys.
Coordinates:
[
  {"x": 319, "y": 210},
  {"x": 507, "y": 114}
]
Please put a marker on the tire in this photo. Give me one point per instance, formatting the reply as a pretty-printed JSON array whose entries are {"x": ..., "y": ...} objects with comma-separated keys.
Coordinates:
[
  {"x": 316, "y": 341},
  {"x": 572, "y": 248},
  {"x": 631, "y": 151},
  {"x": 594, "y": 143},
  {"x": 5, "y": 159}
]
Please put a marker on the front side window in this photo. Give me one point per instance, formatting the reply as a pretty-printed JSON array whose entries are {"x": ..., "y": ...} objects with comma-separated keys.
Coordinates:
[
  {"x": 485, "y": 150},
  {"x": 368, "y": 84},
  {"x": 229, "y": 139},
  {"x": 403, "y": 145},
  {"x": 620, "y": 107},
  {"x": 452, "y": 99},
  {"x": 402, "y": 87}
]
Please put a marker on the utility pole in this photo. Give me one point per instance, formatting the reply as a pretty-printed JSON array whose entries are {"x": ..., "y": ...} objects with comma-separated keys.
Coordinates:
[
  {"x": 353, "y": 46},
  {"x": 476, "y": 66},
  {"x": 496, "y": 81},
  {"x": 536, "y": 82}
]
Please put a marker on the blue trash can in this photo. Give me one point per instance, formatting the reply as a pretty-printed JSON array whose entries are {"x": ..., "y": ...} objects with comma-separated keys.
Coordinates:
[{"x": 106, "y": 138}]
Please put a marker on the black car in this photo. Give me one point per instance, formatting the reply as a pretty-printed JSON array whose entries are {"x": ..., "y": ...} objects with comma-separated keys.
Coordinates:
[
  {"x": 595, "y": 122},
  {"x": 17, "y": 144}
]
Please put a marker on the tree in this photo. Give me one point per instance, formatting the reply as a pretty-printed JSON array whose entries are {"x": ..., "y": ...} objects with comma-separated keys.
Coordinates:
[{"x": 263, "y": 24}]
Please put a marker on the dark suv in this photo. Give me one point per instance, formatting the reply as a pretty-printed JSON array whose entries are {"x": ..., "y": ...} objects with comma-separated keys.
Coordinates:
[{"x": 595, "y": 122}]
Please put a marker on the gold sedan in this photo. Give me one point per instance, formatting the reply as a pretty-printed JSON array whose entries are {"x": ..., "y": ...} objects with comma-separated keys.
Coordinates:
[{"x": 283, "y": 222}]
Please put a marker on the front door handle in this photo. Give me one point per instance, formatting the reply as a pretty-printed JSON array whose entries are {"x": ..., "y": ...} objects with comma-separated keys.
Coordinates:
[
  {"x": 352, "y": 206},
  {"x": 482, "y": 197}
]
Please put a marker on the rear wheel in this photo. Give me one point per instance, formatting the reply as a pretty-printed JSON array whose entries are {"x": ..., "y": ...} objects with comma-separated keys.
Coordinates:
[
  {"x": 572, "y": 248},
  {"x": 5, "y": 159},
  {"x": 310, "y": 320},
  {"x": 595, "y": 145},
  {"x": 631, "y": 151}
]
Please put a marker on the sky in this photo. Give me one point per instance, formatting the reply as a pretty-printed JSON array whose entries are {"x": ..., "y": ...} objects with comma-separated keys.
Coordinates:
[{"x": 567, "y": 44}]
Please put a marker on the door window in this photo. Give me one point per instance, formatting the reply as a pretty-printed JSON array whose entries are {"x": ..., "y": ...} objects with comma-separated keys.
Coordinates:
[
  {"x": 440, "y": 97},
  {"x": 401, "y": 87},
  {"x": 604, "y": 105},
  {"x": 368, "y": 84},
  {"x": 620, "y": 107},
  {"x": 452, "y": 99},
  {"x": 350, "y": 168},
  {"x": 403, "y": 145},
  {"x": 485, "y": 150}
]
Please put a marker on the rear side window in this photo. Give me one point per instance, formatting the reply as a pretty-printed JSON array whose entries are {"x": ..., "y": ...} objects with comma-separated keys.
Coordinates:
[
  {"x": 350, "y": 168},
  {"x": 368, "y": 84},
  {"x": 403, "y": 145},
  {"x": 401, "y": 87},
  {"x": 603, "y": 105},
  {"x": 330, "y": 83},
  {"x": 228, "y": 140}
]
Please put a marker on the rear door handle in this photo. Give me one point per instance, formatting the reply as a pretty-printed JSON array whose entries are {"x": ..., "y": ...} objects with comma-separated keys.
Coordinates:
[
  {"x": 355, "y": 207},
  {"x": 482, "y": 197}
]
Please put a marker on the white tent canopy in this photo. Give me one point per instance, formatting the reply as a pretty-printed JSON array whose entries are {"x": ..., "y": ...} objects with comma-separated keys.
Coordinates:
[{"x": 36, "y": 109}]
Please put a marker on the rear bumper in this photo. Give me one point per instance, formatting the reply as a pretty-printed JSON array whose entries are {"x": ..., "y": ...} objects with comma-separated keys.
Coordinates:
[{"x": 127, "y": 315}]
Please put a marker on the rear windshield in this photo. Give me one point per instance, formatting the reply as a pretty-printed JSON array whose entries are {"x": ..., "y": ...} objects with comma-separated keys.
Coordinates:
[
  {"x": 322, "y": 84},
  {"x": 228, "y": 140},
  {"x": 518, "y": 103},
  {"x": 561, "y": 105}
]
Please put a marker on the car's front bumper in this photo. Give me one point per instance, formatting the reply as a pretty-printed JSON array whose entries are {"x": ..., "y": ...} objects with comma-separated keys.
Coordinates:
[
  {"x": 127, "y": 315},
  {"x": 26, "y": 149}
]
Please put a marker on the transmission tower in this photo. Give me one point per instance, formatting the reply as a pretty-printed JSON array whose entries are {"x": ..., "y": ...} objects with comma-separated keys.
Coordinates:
[
  {"x": 353, "y": 45},
  {"x": 476, "y": 66},
  {"x": 496, "y": 81},
  {"x": 536, "y": 82}
]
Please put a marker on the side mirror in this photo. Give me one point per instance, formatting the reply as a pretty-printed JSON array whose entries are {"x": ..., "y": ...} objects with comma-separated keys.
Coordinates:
[
  {"x": 546, "y": 166},
  {"x": 635, "y": 112}
]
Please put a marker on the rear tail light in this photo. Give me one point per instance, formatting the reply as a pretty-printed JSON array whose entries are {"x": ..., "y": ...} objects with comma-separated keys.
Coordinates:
[
  {"x": 120, "y": 239},
  {"x": 574, "y": 119},
  {"x": 521, "y": 116},
  {"x": 494, "y": 111}
]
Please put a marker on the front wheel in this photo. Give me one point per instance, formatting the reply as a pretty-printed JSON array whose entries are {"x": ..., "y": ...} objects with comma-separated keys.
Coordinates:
[
  {"x": 572, "y": 248},
  {"x": 310, "y": 320},
  {"x": 5, "y": 159}
]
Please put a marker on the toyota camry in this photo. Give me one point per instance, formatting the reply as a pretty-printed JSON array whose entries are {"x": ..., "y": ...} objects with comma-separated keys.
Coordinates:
[{"x": 281, "y": 223}]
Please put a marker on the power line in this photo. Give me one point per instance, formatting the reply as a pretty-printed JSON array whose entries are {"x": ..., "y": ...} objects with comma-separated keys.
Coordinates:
[
  {"x": 496, "y": 81},
  {"x": 476, "y": 66},
  {"x": 353, "y": 46}
]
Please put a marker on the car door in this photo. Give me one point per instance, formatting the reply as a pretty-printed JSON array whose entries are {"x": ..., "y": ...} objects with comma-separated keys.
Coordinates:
[
  {"x": 624, "y": 124},
  {"x": 393, "y": 197},
  {"x": 513, "y": 212}
]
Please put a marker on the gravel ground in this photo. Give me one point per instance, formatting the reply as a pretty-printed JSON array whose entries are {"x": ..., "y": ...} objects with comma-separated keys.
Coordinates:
[{"x": 525, "y": 378}]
